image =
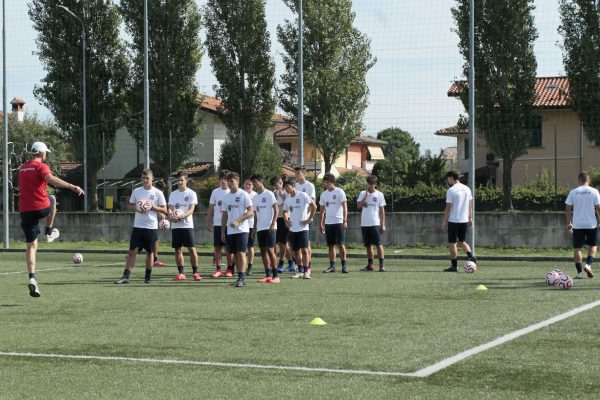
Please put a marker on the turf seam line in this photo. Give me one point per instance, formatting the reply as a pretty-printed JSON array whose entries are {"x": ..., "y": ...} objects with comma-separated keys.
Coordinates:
[
  {"x": 61, "y": 269},
  {"x": 447, "y": 362}
]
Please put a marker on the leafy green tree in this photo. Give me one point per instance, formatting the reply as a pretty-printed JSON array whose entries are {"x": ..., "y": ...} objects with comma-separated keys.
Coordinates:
[
  {"x": 428, "y": 169},
  {"x": 59, "y": 49},
  {"x": 401, "y": 145},
  {"x": 239, "y": 47},
  {"x": 580, "y": 28},
  {"x": 505, "y": 68},
  {"x": 174, "y": 55},
  {"x": 337, "y": 57},
  {"x": 267, "y": 162}
]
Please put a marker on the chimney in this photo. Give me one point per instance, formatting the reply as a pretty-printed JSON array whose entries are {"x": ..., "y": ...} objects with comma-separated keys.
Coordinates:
[{"x": 17, "y": 108}]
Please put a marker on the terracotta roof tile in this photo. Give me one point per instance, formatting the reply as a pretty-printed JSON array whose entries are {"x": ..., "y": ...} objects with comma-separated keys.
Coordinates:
[{"x": 452, "y": 131}]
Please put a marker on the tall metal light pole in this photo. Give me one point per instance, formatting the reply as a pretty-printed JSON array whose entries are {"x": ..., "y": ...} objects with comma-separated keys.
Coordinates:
[
  {"x": 146, "y": 92},
  {"x": 84, "y": 95},
  {"x": 300, "y": 85},
  {"x": 472, "y": 112},
  {"x": 5, "y": 159}
]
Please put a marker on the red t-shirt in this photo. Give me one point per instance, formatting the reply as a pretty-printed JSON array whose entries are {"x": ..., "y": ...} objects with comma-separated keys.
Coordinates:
[{"x": 32, "y": 186}]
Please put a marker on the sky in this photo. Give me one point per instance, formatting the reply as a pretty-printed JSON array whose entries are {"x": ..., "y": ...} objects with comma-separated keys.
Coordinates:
[{"x": 413, "y": 41}]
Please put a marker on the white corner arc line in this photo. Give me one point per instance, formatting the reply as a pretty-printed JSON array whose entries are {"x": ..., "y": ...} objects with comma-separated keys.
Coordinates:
[
  {"x": 443, "y": 364},
  {"x": 204, "y": 363},
  {"x": 61, "y": 269}
]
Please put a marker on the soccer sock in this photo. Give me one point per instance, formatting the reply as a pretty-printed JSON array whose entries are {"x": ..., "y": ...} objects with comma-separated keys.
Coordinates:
[
  {"x": 241, "y": 276},
  {"x": 589, "y": 260},
  {"x": 370, "y": 262},
  {"x": 180, "y": 269},
  {"x": 280, "y": 263},
  {"x": 230, "y": 268},
  {"x": 32, "y": 275},
  {"x": 126, "y": 273},
  {"x": 148, "y": 273},
  {"x": 381, "y": 263},
  {"x": 469, "y": 254},
  {"x": 343, "y": 264},
  {"x": 249, "y": 267},
  {"x": 578, "y": 266},
  {"x": 274, "y": 271},
  {"x": 268, "y": 271},
  {"x": 155, "y": 259},
  {"x": 301, "y": 269},
  {"x": 332, "y": 264},
  {"x": 48, "y": 230},
  {"x": 194, "y": 270},
  {"x": 454, "y": 263}
]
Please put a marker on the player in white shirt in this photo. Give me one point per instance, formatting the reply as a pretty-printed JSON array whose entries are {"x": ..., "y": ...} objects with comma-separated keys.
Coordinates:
[
  {"x": 458, "y": 217},
  {"x": 249, "y": 188},
  {"x": 334, "y": 220},
  {"x": 371, "y": 202},
  {"x": 298, "y": 213},
  {"x": 581, "y": 211},
  {"x": 302, "y": 185},
  {"x": 282, "y": 229},
  {"x": 148, "y": 202},
  {"x": 182, "y": 203},
  {"x": 237, "y": 209},
  {"x": 213, "y": 224},
  {"x": 266, "y": 211}
]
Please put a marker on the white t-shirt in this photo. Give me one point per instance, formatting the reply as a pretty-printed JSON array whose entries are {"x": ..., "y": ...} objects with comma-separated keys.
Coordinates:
[
  {"x": 149, "y": 219},
  {"x": 251, "y": 220},
  {"x": 459, "y": 196},
  {"x": 235, "y": 204},
  {"x": 370, "y": 210},
  {"x": 333, "y": 201},
  {"x": 297, "y": 208},
  {"x": 181, "y": 201},
  {"x": 263, "y": 208},
  {"x": 584, "y": 200},
  {"x": 308, "y": 188},
  {"x": 216, "y": 200}
]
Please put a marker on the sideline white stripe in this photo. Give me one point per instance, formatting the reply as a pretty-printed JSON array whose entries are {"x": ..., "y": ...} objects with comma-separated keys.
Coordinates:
[
  {"x": 206, "y": 363},
  {"x": 432, "y": 369},
  {"x": 61, "y": 269}
]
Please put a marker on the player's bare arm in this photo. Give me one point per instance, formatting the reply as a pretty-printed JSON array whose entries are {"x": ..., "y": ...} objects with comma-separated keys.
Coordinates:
[{"x": 57, "y": 182}]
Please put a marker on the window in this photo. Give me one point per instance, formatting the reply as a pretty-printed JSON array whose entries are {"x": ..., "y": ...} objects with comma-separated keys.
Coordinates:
[
  {"x": 285, "y": 146},
  {"x": 467, "y": 149},
  {"x": 536, "y": 131}
]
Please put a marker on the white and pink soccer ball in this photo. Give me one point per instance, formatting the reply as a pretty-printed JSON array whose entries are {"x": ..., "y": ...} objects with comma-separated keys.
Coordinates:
[
  {"x": 77, "y": 258},
  {"x": 552, "y": 277},
  {"x": 164, "y": 224},
  {"x": 470, "y": 267},
  {"x": 565, "y": 282},
  {"x": 143, "y": 206},
  {"x": 178, "y": 213}
]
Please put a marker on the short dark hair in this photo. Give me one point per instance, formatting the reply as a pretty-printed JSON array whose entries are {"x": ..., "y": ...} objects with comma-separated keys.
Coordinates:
[
  {"x": 453, "y": 174},
  {"x": 289, "y": 181},
  {"x": 160, "y": 185},
  {"x": 223, "y": 174},
  {"x": 275, "y": 179},
  {"x": 301, "y": 168},
  {"x": 257, "y": 177},
  {"x": 233, "y": 175},
  {"x": 329, "y": 178},
  {"x": 584, "y": 177},
  {"x": 182, "y": 174},
  {"x": 372, "y": 180},
  {"x": 147, "y": 172}
]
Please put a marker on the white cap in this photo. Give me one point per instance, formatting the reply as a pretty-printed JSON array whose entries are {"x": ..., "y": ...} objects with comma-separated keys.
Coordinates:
[{"x": 39, "y": 147}]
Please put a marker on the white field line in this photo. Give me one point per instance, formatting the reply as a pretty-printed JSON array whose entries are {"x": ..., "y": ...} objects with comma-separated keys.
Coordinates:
[
  {"x": 60, "y": 269},
  {"x": 432, "y": 369}
]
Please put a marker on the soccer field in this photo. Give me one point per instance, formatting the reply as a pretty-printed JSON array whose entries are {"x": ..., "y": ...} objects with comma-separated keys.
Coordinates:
[{"x": 175, "y": 340}]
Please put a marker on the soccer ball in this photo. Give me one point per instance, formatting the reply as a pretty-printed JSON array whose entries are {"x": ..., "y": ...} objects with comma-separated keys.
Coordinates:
[
  {"x": 77, "y": 258},
  {"x": 164, "y": 224},
  {"x": 565, "y": 282},
  {"x": 178, "y": 213},
  {"x": 143, "y": 205},
  {"x": 470, "y": 267},
  {"x": 552, "y": 278}
]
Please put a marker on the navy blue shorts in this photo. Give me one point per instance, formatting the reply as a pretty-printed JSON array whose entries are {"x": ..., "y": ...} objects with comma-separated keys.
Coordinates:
[
  {"x": 584, "y": 236},
  {"x": 282, "y": 231},
  {"x": 371, "y": 235},
  {"x": 30, "y": 221},
  {"x": 266, "y": 239},
  {"x": 335, "y": 234},
  {"x": 183, "y": 237},
  {"x": 217, "y": 242},
  {"x": 142, "y": 238},
  {"x": 237, "y": 243},
  {"x": 298, "y": 240},
  {"x": 251, "y": 239},
  {"x": 457, "y": 231}
]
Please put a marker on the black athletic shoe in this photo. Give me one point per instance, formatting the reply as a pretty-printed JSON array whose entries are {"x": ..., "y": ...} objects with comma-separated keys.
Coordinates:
[
  {"x": 330, "y": 269},
  {"x": 239, "y": 283},
  {"x": 122, "y": 281},
  {"x": 249, "y": 271},
  {"x": 147, "y": 280},
  {"x": 368, "y": 268},
  {"x": 344, "y": 270},
  {"x": 474, "y": 259},
  {"x": 451, "y": 269},
  {"x": 381, "y": 269}
]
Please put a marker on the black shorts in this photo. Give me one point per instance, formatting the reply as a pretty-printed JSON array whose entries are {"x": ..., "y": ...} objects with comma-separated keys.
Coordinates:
[
  {"x": 30, "y": 221},
  {"x": 282, "y": 231},
  {"x": 371, "y": 235},
  {"x": 584, "y": 236},
  {"x": 142, "y": 238},
  {"x": 298, "y": 240},
  {"x": 335, "y": 234},
  {"x": 457, "y": 231},
  {"x": 250, "y": 239},
  {"x": 183, "y": 237},
  {"x": 217, "y": 242},
  {"x": 266, "y": 239},
  {"x": 237, "y": 243}
]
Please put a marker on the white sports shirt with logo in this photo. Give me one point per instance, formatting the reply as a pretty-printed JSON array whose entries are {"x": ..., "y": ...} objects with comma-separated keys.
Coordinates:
[
  {"x": 297, "y": 208},
  {"x": 263, "y": 208},
  {"x": 216, "y": 200},
  {"x": 251, "y": 220},
  {"x": 459, "y": 196},
  {"x": 584, "y": 200},
  {"x": 235, "y": 204},
  {"x": 333, "y": 201},
  {"x": 308, "y": 188},
  {"x": 149, "y": 219},
  {"x": 370, "y": 211},
  {"x": 181, "y": 201}
]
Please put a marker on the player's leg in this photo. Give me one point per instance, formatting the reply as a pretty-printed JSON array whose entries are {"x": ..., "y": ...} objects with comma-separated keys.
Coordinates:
[
  {"x": 452, "y": 249},
  {"x": 51, "y": 233},
  {"x": 305, "y": 254},
  {"x": 241, "y": 242},
  {"x": 330, "y": 239},
  {"x": 34, "y": 290},
  {"x": 368, "y": 242},
  {"x": 151, "y": 237},
  {"x": 270, "y": 249},
  {"x": 218, "y": 251},
  {"x": 156, "y": 262},
  {"x": 250, "y": 254},
  {"x": 579, "y": 240},
  {"x": 179, "y": 261},
  {"x": 341, "y": 242},
  {"x": 30, "y": 225},
  {"x": 295, "y": 245},
  {"x": 381, "y": 256},
  {"x": 592, "y": 239}
]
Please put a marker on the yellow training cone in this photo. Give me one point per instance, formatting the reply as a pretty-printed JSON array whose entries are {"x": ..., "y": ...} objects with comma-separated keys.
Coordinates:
[
  {"x": 318, "y": 321},
  {"x": 481, "y": 288}
]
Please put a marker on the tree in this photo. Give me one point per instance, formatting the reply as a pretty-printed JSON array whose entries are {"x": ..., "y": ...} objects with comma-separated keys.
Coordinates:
[
  {"x": 401, "y": 145},
  {"x": 428, "y": 169},
  {"x": 267, "y": 162},
  {"x": 505, "y": 69},
  {"x": 580, "y": 28},
  {"x": 239, "y": 48},
  {"x": 174, "y": 55},
  {"x": 59, "y": 49},
  {"x": 337, "y": 57}
]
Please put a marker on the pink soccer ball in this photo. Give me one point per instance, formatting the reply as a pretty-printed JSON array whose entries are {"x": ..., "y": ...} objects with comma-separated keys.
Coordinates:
[
  {"x": 552, "y": 278},
  {"x": 470, "y": 267},
  {"x": 565, "y": 282},
  {"x": 77, "y": 258},
  {"x": 164, "y": 224},
  {"x": 143, "y": 205},
  {"x": 178, "y": 213}
]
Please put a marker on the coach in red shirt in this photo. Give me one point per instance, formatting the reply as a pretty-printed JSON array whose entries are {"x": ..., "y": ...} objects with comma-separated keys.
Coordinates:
[{"x": 35, "y": 203}]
